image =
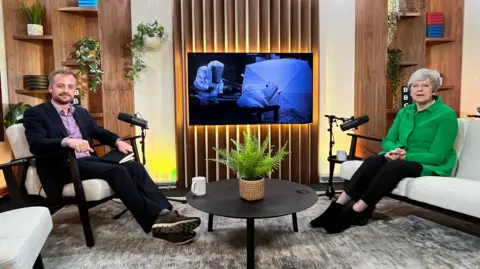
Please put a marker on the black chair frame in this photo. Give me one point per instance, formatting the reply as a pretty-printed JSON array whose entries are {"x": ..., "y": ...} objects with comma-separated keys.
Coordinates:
[{"x": 17, "y": 191}]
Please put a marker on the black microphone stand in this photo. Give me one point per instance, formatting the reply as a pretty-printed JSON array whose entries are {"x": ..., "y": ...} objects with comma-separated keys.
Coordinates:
[
  {"x": 142, "y": 142},
  {"x": 332, "y": 159}
]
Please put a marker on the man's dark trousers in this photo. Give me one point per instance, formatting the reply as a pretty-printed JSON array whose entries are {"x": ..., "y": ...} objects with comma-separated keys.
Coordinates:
[{"x": 131, "y": 184}]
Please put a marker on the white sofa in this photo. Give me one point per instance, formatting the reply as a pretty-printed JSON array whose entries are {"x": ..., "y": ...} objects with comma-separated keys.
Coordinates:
[
  {"x": 459, "y": 193},
  {"x": 23, "y": 233}
]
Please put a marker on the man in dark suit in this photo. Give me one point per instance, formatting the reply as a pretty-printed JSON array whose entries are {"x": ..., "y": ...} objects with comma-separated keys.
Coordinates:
[{"x": 56, "y": 124}]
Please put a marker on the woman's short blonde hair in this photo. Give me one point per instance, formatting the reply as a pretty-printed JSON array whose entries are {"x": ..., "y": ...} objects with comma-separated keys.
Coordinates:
[{"x": 424, "y": 74}]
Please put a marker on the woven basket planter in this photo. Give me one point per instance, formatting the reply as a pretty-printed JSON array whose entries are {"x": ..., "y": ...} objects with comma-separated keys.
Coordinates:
[{"x": 252, "y": 190}]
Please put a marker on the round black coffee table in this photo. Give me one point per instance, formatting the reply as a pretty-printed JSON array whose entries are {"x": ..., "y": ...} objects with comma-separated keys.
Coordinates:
[{"x": 281, "y": 198}]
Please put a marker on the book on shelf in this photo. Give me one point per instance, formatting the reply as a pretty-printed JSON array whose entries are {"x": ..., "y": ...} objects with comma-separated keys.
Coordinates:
[{"x": 115, "y": 156}]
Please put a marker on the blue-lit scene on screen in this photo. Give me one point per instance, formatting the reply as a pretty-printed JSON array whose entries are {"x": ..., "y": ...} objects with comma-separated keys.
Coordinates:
[{"x": 250, "y": 88}]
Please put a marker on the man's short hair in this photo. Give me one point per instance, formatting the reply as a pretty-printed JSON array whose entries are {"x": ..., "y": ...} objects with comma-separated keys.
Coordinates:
[{"x": 51, "y": 77}]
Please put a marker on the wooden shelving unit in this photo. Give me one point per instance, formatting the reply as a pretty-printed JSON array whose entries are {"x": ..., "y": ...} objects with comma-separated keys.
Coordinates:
[
  {"x": 419, "y": 51},
  {"x": 69, "y": 63},
  {"x": 408, "y": 15},
  {"x": 43, "y": 38},
  {"x": 446, "y": 87},
  {"x": 80, "y": 11},
  {"x": 31, "y": 92},
  {"x": 64, "y": 23},
  {"x": 430, "y": 41},
  {"x": 408, "y": 63}
]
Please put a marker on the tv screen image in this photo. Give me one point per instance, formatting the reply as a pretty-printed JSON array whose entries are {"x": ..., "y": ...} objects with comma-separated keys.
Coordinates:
[{"x": 250, "y": 88}]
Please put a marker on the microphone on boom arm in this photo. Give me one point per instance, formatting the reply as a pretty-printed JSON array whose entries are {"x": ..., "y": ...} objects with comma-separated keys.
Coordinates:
[
  {"x": 133, "y": 119},
  {"x": 354, "y": 122}
]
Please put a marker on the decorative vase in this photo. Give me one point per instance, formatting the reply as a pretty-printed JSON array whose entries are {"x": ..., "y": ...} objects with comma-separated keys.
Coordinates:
[
  {"x": 152, "y": 42},
  {"x": 252, "y": 190},
  {"x": 34, "y": 29}
]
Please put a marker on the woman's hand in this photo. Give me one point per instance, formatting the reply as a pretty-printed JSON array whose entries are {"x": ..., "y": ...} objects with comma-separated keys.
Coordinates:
[
  {"x": 400, "y": 153},
  {"x": 391, "y": 155},
  {"x": 396, "y": 154}
]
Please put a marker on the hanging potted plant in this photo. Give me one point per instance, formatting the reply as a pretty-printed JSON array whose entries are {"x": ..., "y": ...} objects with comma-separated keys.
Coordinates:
[
  {"x": 34, "y": 18},
  {"x": 393, "y": 16},
  {"x": 252, "y": 161},
  {"x": 88, "y": 57},
  {"x": 148, "y": 35},
  {"x": 393, "y": 74}
]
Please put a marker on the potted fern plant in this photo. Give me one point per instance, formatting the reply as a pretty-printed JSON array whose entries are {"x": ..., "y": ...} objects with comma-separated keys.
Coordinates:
[
  {"x": 252, "y": 160},
  {"x": 88, "y": 56},
  {"x": 34, "y": 18}
]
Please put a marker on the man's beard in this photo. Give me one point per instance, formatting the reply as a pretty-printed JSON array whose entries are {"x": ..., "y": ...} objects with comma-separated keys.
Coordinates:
[{"x": 59, "y": 100}]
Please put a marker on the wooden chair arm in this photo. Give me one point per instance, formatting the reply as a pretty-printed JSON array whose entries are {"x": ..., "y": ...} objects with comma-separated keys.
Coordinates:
[{"x": 353, "y": 144}]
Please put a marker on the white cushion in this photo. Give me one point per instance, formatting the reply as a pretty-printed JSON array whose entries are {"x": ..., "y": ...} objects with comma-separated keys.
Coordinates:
[
  {"x": 18, "y": 141},
  {"x": 348, "y": 168},
  {"x": 456, "y": 194},
  {"x": 22, "y": 235},
  {"x": 469, "y": 161},
  {"x": 94, "y": 189}
]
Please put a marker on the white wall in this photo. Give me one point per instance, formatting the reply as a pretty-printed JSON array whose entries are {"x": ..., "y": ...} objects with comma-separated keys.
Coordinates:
[
  {"x": 337, "y": 70},
  {"x": 154, "y": 92},
  {"x": 470, "y": 98}
]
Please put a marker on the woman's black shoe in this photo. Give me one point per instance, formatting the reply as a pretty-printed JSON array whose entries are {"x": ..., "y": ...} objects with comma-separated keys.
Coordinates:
[
  {"x": 364, "y": 216},
  {"x": 342, "y": 222},
  {"x": 332, "y": 212}
]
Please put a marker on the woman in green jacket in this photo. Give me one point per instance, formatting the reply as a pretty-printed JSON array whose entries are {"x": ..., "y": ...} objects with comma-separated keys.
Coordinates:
[{"x": 419, "y": 143}]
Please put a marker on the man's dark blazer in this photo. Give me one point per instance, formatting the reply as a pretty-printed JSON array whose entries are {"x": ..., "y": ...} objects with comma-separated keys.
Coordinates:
[{"x": 45, "y": 131}]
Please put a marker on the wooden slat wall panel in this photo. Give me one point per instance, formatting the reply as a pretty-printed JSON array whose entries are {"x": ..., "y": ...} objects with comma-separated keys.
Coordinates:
[
  {"x": 243, "y": 26},
  {"x": 275, "y": 40},
  {"x": 178, "y": 28},
  {"x": 370, "y": 68},
  {"x": 315, "y": 47},
  {"x": 117, "y": 90}
]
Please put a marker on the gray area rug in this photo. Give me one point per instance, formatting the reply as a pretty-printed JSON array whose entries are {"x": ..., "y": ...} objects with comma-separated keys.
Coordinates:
[{"x": 398, "y": 236}]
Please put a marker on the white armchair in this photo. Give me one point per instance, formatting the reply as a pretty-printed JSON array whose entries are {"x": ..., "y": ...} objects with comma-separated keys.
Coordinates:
[
  {"x": 86, "y": 194},
  {"x": 23, "y": 233}
]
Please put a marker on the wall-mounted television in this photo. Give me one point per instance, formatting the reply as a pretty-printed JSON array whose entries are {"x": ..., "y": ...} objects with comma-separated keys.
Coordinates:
[{"x": 250, "y": 88}]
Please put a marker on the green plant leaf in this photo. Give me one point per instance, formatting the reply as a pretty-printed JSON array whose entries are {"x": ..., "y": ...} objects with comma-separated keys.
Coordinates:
[
  {"x": 15, "y": 114},
  {"x": 251, "y": 159}
]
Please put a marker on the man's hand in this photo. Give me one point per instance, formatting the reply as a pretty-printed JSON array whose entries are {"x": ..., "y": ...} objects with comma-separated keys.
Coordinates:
[
  {"x": 79, "y": 145},
  {"x": 124, "y": 147}
]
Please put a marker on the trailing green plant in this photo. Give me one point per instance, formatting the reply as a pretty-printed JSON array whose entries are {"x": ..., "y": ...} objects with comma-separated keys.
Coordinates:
[
  {"x": 33, "y": 13},
  {"x": 88, "y": 57},
  {"x": 252, "y": 160},
  {"x": 15, "y": 114},
  {"x": 393, "y": 71},
  {"x": 137, "y": 46},
  {"x": 393, "y": 16}
]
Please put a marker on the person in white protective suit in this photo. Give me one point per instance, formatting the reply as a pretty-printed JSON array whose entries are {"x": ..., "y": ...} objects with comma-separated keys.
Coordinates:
[{"x": 208, "y": 83}]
